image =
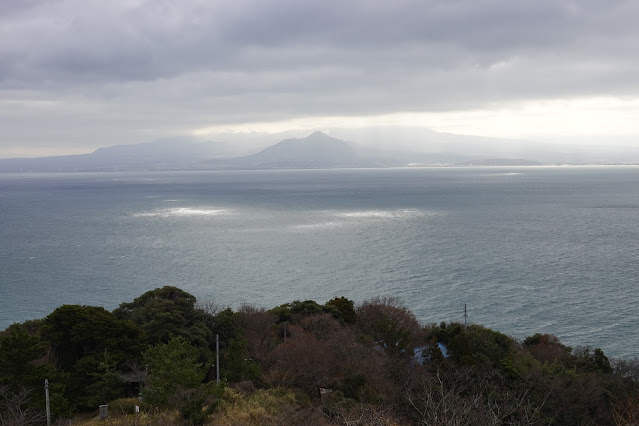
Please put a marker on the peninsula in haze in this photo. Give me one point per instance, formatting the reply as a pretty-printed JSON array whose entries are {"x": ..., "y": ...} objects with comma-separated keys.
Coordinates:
[{"x": 397, "y": 147}]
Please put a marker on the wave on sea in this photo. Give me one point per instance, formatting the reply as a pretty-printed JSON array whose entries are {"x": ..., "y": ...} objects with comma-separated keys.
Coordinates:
[
  {"x": 183, "y": 211},
  {"x": 340, "y": 218}
]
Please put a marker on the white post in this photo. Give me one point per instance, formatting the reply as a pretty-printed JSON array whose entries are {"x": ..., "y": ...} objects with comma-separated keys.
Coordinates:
[
  {"x": 46, "y": 397},
  {"x": 465, "y": 318},
  {"x": 217, "y": 357}
]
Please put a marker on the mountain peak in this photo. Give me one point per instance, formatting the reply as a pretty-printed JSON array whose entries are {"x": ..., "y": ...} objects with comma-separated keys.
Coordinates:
[
  {"x": 317, "y": 134},
  {"x": 316, "y": 149}
]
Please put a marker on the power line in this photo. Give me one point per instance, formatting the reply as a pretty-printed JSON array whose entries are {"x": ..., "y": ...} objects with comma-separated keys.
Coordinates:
[{"x": 465, "y": 318}]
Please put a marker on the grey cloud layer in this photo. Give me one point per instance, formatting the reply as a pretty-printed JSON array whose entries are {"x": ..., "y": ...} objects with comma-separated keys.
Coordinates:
[
  {"x": 97, "y": 41},
  {"x": 243, "y": 60}
]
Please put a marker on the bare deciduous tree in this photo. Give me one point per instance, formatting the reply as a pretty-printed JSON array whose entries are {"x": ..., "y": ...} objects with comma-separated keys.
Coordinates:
[
  {"x": 303, "y": 362},
  {"x": 464, "y": 396},
  {"x": 626, "y": 413},
  {"x": 258, "y": 326},
  {"x": 14, "y": 410},
  {"x": 389, "y": 322}
]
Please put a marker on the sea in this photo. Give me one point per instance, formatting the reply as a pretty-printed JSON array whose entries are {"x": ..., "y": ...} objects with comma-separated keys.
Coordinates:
[{"x": 525, "y": 249}]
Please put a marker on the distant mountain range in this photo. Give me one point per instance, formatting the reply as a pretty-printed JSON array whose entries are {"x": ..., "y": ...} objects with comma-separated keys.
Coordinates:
[
  {"x": 317, "y": 150},
  {"x": 162, "y": 154}
]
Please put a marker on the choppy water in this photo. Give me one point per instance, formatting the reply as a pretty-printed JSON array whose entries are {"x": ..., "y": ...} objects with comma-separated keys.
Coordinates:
[{"x": 528, "y": 250}]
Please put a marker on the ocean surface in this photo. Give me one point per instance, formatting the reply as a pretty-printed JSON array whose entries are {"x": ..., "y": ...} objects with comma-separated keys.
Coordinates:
[{"x": 530, "y": 249}]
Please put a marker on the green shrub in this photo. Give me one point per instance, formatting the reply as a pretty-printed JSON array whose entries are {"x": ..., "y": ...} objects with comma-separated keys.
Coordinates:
[{"x": 345, "y": 308}]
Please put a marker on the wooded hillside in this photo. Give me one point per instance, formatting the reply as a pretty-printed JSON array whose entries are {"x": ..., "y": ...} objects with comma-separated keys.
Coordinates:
[{"x": 301, "y": 363}]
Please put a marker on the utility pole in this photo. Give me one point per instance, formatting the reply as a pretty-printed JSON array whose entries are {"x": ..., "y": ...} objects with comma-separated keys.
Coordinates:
[
  {"x": 465, "y": 318},
  {"x": 285, "y": 331},
  {"x": 217, "y": 358},
  {"x": 46, "y": 397}
]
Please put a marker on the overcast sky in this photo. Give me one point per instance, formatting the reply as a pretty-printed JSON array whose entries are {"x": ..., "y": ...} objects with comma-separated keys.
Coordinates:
[{"x": 79, "y": 74}]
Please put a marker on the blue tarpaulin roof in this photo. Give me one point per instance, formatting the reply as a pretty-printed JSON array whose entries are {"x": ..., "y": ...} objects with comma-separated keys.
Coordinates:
[{"x": 419, "y": 353}]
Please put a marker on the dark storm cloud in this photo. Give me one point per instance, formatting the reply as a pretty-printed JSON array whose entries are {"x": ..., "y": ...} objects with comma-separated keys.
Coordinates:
[
  {"x": 244, "y": 60},
  {"x": 83, "y": 41}
]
